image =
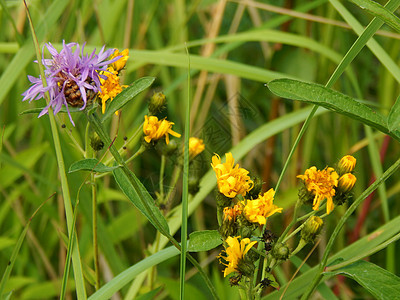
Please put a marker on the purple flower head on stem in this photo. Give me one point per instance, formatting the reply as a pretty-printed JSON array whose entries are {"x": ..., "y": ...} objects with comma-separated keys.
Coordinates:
[{"x": 72, "y": 78}]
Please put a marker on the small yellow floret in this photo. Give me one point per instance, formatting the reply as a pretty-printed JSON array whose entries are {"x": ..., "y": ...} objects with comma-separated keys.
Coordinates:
[
  {"x": 155, "y": 129},
  {"x": 120, "y": 63},
  {"x": 235, "y": 252},
  {"x": 231, "y": 180},
  {"x": 322, "y": 184},
  {"x": 258, "y": 210},
  {"x": 110, "y": 87},
  {"x": 196, "y": 146}
]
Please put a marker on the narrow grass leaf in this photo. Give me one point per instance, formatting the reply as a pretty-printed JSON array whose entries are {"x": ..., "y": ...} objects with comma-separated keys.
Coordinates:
[
  {"x": 149, "y": 295},
  {"x": 119, "y": 281},
  {"x": 90, "y": 164},
  {"x": 380, "y": 12},
  {"x": 204, "y": 240},
  {"x": 130, "y": 192},
  {"x": 393, "y": 122},
  {"x": 320, "y": 95},
  {"x": 127, "y": 95},
  {"x": 379, "y": 282}
]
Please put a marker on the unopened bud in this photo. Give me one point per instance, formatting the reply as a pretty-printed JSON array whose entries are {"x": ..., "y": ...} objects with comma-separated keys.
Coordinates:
[
  {"x": 280, "y": 251},
  {"x": 96, "y": 143},
  {"x": 347, "y": 164},
  {"x": 346, "y": 182},
  {"x": 311, "y": 229},
  {"x": 157, "y": 103}
]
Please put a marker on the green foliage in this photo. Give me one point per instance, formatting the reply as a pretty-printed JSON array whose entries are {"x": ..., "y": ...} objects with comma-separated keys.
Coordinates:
[{"x": 379, "y": 282}]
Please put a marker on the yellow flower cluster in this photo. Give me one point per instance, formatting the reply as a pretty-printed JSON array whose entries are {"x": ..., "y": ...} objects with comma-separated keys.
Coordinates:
[
  {"x": 155, "y": 129},
  {"x": 258, "y": 210},
  {"x": 111, "y": 87},
  {"x": 231, "y": 179},
  {"x": 322, "y": 184},
  {"x": 235, "y": 252},
  {"x": 196, "y": 146}
]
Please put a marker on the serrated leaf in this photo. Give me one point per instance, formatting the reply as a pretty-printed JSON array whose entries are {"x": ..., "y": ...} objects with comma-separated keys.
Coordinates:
[
  {"x": 393, "y": 122},
  {"x": 90, "y": 164},
  {"x": 127, "y": 95},
  {"x": 320, "y": 95},
  {"x": 204, "y": 240},
  {"x": 379, "y": 282},
  {"x": 380, "y": 12},
  {"x": 130, "y": 192},
  {"x": 272, "y": 280}
]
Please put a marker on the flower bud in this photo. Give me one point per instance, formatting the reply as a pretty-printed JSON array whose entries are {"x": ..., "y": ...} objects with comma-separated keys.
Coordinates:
[
  {"x": 311, "y": 229},
  {"x": 281, "y": 251},
  {"x": 346, "y": 182},
  {"x": 96, "y": 143},
  {"x": 347, "y": 164},
  {"x": 157, "y": 103},
  {"x": 246, "y": 267},
  {"x": 196, "y": 146}
]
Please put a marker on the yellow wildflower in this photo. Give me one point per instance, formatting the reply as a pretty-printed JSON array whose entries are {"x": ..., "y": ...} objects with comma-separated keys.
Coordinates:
[
  {"x": 196, "y": 146},
  {"x": 347, "y": 164},
  {"x": 346, "y": 182},
  {"x": 231, "y": 213},
  {"x": 322, "y": 184},
  {"x": 110, "y": 87},
  {"x": 231, "y": 180},
  {"x": 258, "y": 210},
  {"x": 235, "y": 252},
  {"x": 120, "y": 63},
  {"x": 155, "y": 129}
]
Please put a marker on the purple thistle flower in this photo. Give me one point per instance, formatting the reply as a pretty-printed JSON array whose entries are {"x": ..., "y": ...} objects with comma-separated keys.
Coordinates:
[{"x": 72, "y": 77}]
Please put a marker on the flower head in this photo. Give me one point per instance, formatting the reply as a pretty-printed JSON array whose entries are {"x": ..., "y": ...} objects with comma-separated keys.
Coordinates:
[
  {"x": 119, "y": 64},
  {"x": 235, "y": 252},
  {"x": 232, "y": 180},
  {"x": 258, "y": 210},
  {"x": 155, "y": 129},
  {"x": 110, "y": 87},
  {"x": 347, "y": 164},
  {"x": 322, "y": 185},
  {"x": 196, "y": 146},
  {"x": 71, "y": 77}
]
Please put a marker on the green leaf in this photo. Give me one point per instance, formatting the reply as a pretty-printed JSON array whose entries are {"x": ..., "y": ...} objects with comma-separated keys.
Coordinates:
[
  {"x": 379, "y": 282},
  {"x": 90, "y": 164},
  {"x": 127, "y": 95},
  {"x": 149, "y": 295},
  {"x": 204, "y": 240},
  {"x": 380, "y": 12},
  {"x": 318, "y": 94},
  {"x": 130, "y": 192},
  {"x": 393, "y": 122}
]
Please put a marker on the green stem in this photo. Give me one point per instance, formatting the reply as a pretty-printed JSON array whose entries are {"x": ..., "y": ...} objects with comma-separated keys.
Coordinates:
[
  {"x": 76, "y": 259},
  {"x": 162, "y": 170},
  {"x": 339, "y": 226}
]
